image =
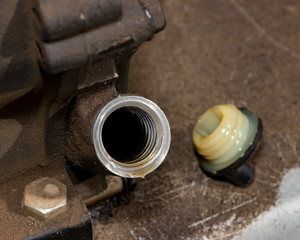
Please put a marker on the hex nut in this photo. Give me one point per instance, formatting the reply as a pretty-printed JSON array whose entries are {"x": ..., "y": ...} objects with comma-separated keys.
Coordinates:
[{"x": 45, "y": 198}]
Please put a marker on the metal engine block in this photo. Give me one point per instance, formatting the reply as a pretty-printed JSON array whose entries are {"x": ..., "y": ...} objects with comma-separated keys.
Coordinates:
[{"x": 64, "y": 105}]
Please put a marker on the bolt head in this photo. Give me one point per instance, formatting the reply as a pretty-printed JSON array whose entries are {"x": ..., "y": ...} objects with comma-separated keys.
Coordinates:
[{"x": 45, "y": 198}]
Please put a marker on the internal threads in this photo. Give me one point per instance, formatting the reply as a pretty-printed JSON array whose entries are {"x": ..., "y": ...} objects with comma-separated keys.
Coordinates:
[{"x": 131, "y": 136}]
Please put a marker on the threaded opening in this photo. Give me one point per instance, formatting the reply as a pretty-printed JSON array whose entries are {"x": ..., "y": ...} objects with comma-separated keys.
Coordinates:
[{"x": 129, "y": 134}]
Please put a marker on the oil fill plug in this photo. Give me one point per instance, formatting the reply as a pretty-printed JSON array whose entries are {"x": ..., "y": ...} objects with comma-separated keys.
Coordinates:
[{"x": 225, "y": 137}]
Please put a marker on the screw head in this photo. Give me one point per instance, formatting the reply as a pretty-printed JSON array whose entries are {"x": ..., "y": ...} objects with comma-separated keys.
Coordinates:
[{"x": 45, "y": 198}]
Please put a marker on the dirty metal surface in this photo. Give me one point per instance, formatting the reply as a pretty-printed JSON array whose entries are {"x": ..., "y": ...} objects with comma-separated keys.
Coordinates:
[
  {"x": 212, "y": 52},
  {"x": 34, "y": 105},
  {"x": 29, "y": 97},
  {"x": 17, "y": 224},
  {"x": 88, "y": 39}
]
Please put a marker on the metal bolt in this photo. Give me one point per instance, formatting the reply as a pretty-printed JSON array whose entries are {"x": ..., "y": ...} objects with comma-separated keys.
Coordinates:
[{"x": 45, "y": 198}]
